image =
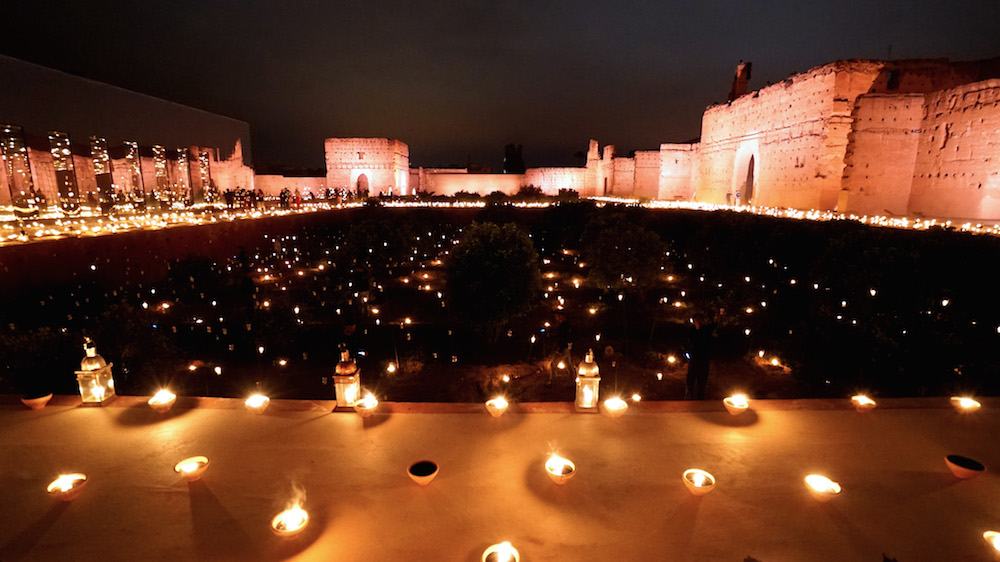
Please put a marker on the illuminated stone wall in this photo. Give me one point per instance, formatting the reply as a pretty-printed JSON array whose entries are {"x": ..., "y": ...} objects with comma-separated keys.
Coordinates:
[
  {"x": 881, "y": 154},
  {"x": 375, "y": 165},
  {"x": 272, "y": 185},
  {"x": 451, "y": 183},
  {"x": 677, "y": 181},
  {"x": 957, "y": 169},
  {"x": 551, "y": 180}
]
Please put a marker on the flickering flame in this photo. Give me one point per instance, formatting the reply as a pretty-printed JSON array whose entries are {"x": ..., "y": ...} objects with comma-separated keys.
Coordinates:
[
  {"x": 965, "y": 403},
  {"x": 391, "y": 368},
  {"x": 66, "y": 482},
  {"x": 369, "y": 402},
  {"x": 993, "y": 538},
  {"x": 290, "y": 521},
  {"x": 97, "y": 390},
  {"x": 671, "y": 359},
  {"x": 822, "y": 484},
  {"x": 498, "y": 402},
  {"x": 192, "y": 468},
  {"x": 560, "y": 365},
  {"x": 501, "y": 552},
  {"x": 588, "y": 396},
  {"x": 162, "y": 397},
  {"x": 257, "y": 401},
  {"x": 738, "y": 401},
  {"x": 862, "y": 400},
  {"x": 699, "y": 478},
  {"x": 615, "y": 403},
  {"x": 559, "y": 466}
]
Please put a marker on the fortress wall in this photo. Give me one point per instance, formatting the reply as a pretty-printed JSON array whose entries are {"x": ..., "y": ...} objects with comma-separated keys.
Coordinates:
[
  {"x": 551, "y": 180},
  {"x": 676, "y": 169},
  {"x": 647, "y": 174},
  {"x": 272, "y": 185},
  {"x": 795, "y": 132},
  {"x": 623, "y": 176},
  {"x": 957, "y": 168},
  {"x": 483, "y": 184},
  {"x": 382, "y": 164},
  {"x": 880, "y": 157}
]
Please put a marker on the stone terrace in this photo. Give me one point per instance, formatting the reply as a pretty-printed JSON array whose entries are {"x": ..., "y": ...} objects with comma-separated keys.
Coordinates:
[{"x": 626, "y": 502}]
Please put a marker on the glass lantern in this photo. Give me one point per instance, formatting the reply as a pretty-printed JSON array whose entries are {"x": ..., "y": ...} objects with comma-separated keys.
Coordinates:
[
  {"x": 588, "y": 384},
  {"x": 347, "y": 380},
  {"x": 97, "y": 386}
]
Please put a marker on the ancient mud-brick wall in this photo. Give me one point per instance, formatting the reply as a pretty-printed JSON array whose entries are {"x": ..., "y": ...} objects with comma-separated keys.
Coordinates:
[
  {"x": 879, "y": 161},
  {"x": 483, "y": 184},
  {"x": 622, "y": 181},
  {"x": 677, "y": 164},
  {"x": 795, "y": 134},
  {"x": 957, "y": 168},
  {"x": 272, "y": 185},
  {"x": 551, "y": 180},
  {"x": 374, "y": 164},
  {"x": 647, "y": 174}
]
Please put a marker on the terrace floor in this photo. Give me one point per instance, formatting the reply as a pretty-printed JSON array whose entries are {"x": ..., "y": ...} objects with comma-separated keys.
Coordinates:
[{"x": 626, "y": 502}]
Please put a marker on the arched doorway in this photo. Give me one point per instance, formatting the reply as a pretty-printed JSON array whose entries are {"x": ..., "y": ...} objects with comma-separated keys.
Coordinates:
[
  {"x": 748, "y": 184},
  {"x": 363, "y": 184}
]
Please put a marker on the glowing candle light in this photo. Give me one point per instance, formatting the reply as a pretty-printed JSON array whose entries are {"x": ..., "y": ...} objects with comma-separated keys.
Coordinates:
[
  {"x": 501, "y": 552},
  {"x": 736, "y": 404},
  {"x": 993, "y": 539},
  {"x": 192, "y": 468},
  {"x": 821, "y": 487},
  {"x": 862, "y": 403},
  {"x": 290, "y": 522},
  {"x": 67, "y": 486},
  {"x": 366, "y": 406},
  {"x": 391, "y": 368},
  {"x": 162, "y": 401},
  {"x": 698, "y": 481},
  {"x": 964, "y": 404},
  {"x": 615, "y": 406},
  {"x": 559, "y": 469},
  {"x": 497, "y": 406},
  {"x": 257, "y": 403}
]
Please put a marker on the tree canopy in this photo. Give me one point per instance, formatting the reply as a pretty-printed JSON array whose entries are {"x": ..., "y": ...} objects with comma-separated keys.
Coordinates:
[{"x": 493, "y": 276}]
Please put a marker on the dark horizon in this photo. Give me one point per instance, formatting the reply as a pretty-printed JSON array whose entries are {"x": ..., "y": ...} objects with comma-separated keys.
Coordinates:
[{"x": 458, "y": 83}]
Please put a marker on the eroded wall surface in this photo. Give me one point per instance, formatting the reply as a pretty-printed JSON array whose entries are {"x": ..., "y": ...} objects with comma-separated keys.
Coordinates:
[
  {"x": 957, "y": 170},
  {"x": 881, "y": 154}
]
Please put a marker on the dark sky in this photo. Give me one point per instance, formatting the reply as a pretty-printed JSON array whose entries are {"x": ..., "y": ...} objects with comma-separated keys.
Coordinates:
[{"x": 458, "y": 80}]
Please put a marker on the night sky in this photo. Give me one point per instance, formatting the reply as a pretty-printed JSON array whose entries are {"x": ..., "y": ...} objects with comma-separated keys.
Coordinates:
[{"x": 458, "y": 80}]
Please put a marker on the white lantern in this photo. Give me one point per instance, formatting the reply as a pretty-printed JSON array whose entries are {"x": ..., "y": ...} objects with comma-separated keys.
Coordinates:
[
  {"x": 588, "y": 384},
  {"x": 97, "y": 386},
  {"x": 347, "y": 380}
]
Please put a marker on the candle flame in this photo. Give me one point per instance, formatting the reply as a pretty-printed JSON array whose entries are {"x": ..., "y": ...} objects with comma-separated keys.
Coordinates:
[
  {"x": 502, "y": 552},
  {"x": 369, "y": 401},
  {"x": 966, "y": 402},
  {"x": 822, "y": 484},
  {"x": 66, "y": 482},
  {"x": 862, "y": 400},
  {"x": 559, "y": 466},
  {"x": 257, "y": 400},
  {"x": 162, "y": 396},
  {"x": 615, "y": 403},
  {"x": 993, "y": 538},
  {"x": 588, "y": 396},
  {"x": 739, "y": 401},
  {"x": 291, "y": 520}
]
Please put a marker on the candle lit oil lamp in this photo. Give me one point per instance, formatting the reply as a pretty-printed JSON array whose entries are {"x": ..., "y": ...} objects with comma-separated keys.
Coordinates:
[
  {"x": 559, "y": 469},
  {"x": 162, "y": 401},
  {"x": 862, "y": 403},
  {"x": 615, "y": 407},
  {"x": 821, "y": 487},
  {"x": 290, "y": 522},
  {"x": 964, "y": 404},
  {"x": 698, "y": 481},
  {"x": 67, "y": 487},
  {"x": 736, "y": 404},
  {"x": 497, "y": 406},
  {"x": 501, "y": 552},
  {"x": 422, "y": 472},
  {"x": 192, "y": 468},
  {"x": 366, "y": 406},
  {"x": 257, "y": 403},
  {"x": 964, "y": 467}
]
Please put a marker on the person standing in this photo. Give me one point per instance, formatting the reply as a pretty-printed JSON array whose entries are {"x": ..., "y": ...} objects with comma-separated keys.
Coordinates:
[{"x": 699, "y": 355}]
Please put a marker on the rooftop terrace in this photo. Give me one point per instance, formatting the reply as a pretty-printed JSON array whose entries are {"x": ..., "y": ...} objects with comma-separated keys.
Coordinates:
[{"x": 626, "y": 501}]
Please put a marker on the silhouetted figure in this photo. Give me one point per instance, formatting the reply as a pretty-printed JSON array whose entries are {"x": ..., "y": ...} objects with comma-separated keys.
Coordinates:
[
  {"x": 700, "y": 355},
  {"x": 564, "y": 343}
]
